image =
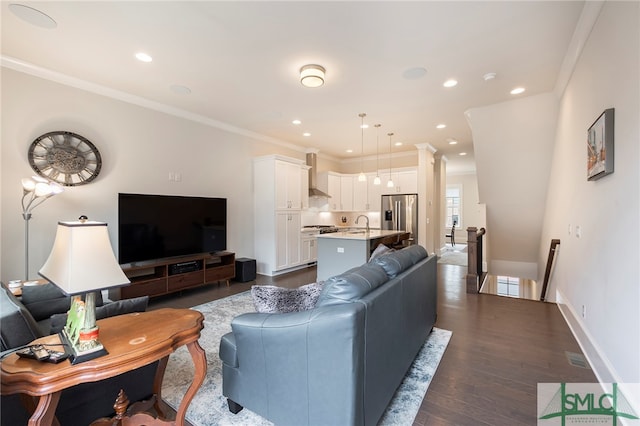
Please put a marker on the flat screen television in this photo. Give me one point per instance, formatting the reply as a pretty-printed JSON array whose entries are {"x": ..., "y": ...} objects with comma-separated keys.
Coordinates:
[{"x": 159, "y": 226}]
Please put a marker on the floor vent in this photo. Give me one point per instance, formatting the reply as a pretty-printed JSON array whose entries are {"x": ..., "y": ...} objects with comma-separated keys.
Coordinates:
[{"x": 577, "y": 360}]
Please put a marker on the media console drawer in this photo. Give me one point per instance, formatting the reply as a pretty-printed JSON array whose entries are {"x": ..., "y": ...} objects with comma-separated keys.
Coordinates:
[{"x": 182, "y": 281}]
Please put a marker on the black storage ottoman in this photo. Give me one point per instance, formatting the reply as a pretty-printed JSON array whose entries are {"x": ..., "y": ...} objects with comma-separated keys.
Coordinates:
[{"x": 245, "y": 269}]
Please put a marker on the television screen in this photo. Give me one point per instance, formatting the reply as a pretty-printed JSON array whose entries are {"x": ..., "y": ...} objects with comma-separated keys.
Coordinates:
[{"x": 158, "y": 226}]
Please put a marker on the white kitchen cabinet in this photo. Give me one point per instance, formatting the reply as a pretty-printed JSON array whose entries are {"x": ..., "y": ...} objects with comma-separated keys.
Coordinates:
[
  {"x": 361, "y": 193},
  {"x": 404, "y": 182},
  {"x": 333, "y": 189},
  {"x": 277, "y": 196},
  {"x": 346, "y": 192},
  {"x": 288, "y": 239},
  {"x": 288, "y": 185},
  {"x": 304, "y": 186},
  {"x": 308, "y": 249}
]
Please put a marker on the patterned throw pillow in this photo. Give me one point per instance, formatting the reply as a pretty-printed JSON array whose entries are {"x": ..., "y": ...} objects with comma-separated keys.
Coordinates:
[{"x": 273, "y": 299}]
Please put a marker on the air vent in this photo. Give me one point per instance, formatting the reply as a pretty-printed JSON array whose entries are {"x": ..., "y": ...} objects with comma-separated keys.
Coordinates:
[{"x": 577, "y": 360}]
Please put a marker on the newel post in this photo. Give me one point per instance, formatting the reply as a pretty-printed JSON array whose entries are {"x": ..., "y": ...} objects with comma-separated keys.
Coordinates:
[{"x": 472, "y": 259}]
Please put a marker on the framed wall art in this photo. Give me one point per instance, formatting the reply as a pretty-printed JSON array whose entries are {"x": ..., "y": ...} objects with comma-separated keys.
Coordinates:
[{"x": 600, "y": 146}]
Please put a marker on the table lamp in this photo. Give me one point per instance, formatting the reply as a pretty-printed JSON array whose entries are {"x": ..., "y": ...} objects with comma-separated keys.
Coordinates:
[{"x": 82, "y": 262}]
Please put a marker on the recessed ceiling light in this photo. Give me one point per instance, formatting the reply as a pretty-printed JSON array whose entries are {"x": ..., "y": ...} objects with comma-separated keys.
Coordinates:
[
  {"x": 306, "y": 134},
  {"x": 441, "y": 126},
  {"x": 453, "y": 142},
  {"x": 414, "y": 73},
  {"x": 296, "y": 122},
  {"x": 462, "y": 153},
  {"x": 364, "y": 126},
  {"x": 517, "y": 90},
  {"x": 450, "y": 83},
  {"x": 180, "y": 90},
  {"x": 398, "y": 144},
  {"x": 349, "y": 151},
  {"x": 143, "y": 57},
  {"x": 32, "y": 16}
]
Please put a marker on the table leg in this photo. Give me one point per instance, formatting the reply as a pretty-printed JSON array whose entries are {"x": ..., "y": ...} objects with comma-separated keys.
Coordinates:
[
  {"x": 200, "y": 363},
  {"x": 46, "y": 410},
  {"x": 157, "y": 386}
]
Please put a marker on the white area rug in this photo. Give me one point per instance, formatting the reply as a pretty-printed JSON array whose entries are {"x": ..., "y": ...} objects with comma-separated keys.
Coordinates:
[
  {"x": 454, "y": 255},
  {"x": 209, "y": 407}
]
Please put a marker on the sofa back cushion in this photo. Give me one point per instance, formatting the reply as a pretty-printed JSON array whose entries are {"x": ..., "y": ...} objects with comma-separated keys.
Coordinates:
[
  {"x": 352, "y": 285},
  {"x": 18, "y": 326},
  {"x": 47, "y": 299},
  {"x": 400, "y": 260},
  {"x": 121, "y": 307}
]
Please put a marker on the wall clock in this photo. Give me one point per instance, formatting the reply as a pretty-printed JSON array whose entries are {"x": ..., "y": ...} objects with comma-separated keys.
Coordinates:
[{"x": 65, "y": 157}]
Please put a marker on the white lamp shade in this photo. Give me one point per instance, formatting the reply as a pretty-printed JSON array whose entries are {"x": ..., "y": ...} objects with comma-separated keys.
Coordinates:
[{"x": 82, "y": 259}]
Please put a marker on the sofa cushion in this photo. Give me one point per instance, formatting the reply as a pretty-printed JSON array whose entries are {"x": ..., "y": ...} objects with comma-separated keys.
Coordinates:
[
  {"x": 126, "y": 306},
  {"x": 47, "y": 299},
  {"x": 273, "y": 299},
  {"x": 18, "y": 326},
  {"x": 400, "y": 260},
  {"x": 352, "y": 285}
]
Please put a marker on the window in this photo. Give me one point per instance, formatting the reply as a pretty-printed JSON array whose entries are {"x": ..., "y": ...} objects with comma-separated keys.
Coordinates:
[
  {"x": 454, "y": 206},
  {"x": 508, "y": 286}
]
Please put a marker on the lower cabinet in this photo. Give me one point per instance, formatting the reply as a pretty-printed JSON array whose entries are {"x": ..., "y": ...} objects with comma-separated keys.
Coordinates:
[
  {"x": 163, "y": 276},
  {"x": 308, "y": 249},
  {"x": 288, "y": 226}
]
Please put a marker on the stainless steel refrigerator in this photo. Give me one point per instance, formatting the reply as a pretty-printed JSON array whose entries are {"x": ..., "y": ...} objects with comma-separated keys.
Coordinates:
[{"x": 400, "y": 212}]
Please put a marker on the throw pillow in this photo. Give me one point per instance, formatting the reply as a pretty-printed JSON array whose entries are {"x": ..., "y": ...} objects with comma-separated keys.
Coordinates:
[
  {"x": 380, "y": 251},
  {"x": 273, "y": 299}
]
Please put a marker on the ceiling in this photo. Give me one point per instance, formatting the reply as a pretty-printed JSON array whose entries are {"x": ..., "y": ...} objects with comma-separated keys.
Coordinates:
[{"x": 241, "y": 62}]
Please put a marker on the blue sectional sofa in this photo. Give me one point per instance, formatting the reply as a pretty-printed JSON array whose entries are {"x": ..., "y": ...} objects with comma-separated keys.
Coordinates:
[{"x": 340, "y": 362}]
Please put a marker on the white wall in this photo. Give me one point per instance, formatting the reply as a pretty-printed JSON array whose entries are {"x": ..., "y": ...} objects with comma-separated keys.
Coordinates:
[
  {"x": 513, "y": 142},
  {"x": 600, "y": 270},
  {"x": 139, "y": 148}
]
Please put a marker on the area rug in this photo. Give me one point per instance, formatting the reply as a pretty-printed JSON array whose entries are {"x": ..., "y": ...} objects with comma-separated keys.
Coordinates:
[
  {"x": 454, "y": 255},
  {"x": 209, "y": 407}
]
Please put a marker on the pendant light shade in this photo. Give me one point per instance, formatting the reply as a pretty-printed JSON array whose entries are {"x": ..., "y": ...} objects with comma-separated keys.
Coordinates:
[
  {"x": 390, "y": 181},
  {"x": 362, "y": 177},
  {"x": 376, "y": 181}
]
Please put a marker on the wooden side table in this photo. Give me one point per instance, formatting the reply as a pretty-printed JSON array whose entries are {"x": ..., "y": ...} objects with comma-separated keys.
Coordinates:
[{"x": 133, "y": 340}]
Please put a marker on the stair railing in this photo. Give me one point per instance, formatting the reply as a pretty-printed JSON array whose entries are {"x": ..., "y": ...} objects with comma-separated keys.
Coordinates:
[{"x": 475, "y": 274}]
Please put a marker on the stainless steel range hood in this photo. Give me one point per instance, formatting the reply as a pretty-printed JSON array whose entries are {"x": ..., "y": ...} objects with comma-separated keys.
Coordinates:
[{"x": 313, "y": 178}]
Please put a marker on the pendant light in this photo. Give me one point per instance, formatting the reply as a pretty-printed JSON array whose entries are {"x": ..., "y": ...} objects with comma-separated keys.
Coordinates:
[
  {"x": 376, "y": 181},
  {"x": 362, "y": 177},
  {"x": 390, "y": 182}
]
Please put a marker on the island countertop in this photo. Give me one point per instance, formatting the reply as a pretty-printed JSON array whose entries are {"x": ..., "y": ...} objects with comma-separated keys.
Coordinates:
[{"x": 360, "y": 234}]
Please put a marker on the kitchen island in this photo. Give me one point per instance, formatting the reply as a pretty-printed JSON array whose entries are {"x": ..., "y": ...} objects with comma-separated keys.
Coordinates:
[{"x": 341, "y": 251}]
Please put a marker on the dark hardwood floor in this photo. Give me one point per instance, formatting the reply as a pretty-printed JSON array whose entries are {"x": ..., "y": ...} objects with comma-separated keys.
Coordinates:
[{"x": 501, "y": 348}]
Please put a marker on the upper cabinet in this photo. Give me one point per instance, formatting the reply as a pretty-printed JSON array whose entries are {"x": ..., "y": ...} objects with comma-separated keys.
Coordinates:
[
  {"x": 349, "y": 194},
  {"x": 288, "y": 186},
  {"x": 404, "y": 182}
]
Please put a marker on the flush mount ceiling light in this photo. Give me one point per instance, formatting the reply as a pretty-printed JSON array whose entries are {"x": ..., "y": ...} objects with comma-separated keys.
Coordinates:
[
  {"x": 489, "y": 76},
  {"x": 32, "y": 16},
  {"x": 312, "y": 75}
]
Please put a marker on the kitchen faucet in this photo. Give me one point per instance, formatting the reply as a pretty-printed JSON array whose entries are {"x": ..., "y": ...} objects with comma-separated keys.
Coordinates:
[{"x": 366, "y": 217}]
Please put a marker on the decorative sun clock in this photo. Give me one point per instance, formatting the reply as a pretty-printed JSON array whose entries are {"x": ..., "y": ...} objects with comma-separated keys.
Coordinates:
[{"x": 65, "y": 157}]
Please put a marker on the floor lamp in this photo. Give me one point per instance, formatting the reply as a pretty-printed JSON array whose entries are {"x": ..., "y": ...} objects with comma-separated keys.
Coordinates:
[{"x": 35, "y": 190}]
